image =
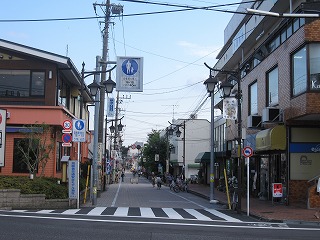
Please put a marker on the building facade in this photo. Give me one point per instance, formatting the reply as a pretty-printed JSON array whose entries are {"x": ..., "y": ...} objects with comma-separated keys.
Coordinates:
[
  {"x": 277, "y": 60},
  {"x": 39, "y": 87}
]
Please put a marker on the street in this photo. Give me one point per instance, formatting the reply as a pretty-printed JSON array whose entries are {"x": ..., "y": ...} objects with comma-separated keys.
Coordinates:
[{"x": 139, "y": 211}]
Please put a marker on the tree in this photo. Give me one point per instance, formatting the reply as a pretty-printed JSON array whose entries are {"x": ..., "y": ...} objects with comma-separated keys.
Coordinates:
[
  {"x": 155, "y": 145},
  {"x": 36, "y": 147}
]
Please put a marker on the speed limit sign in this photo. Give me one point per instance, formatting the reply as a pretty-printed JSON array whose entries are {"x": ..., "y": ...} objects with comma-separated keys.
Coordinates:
[{"x": 67, "y": 126}]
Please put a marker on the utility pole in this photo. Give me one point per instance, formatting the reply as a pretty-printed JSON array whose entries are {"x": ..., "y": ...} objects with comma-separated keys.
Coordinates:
[{"x": 105, "y": 34}]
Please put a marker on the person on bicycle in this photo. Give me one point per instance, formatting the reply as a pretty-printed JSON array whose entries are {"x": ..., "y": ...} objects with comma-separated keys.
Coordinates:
[{"x": 158, "y": 180}]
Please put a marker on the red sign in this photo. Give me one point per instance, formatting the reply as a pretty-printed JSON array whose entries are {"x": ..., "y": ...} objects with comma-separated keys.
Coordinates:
[
  {"x": 247, "y": 151},
  {"x": 277, "y": 189}
]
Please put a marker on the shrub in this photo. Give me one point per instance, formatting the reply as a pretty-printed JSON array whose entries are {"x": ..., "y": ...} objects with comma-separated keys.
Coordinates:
[{"x": 44, "y": 185}]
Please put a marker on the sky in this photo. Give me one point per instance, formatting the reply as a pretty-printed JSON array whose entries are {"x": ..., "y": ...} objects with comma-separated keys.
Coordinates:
[{"x": 174, "y": 47}]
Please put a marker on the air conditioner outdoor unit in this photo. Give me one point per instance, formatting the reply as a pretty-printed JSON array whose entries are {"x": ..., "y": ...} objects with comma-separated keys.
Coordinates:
[
  {"x": 271, "y": 115},
  {"x": 254, "y": 121}
]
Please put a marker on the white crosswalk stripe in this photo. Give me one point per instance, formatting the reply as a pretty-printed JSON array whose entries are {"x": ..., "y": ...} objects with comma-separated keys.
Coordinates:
[
  {"x": 197, "y": 215},
  {"x": 121, "y": 212},
  {"x": 146, "y": 212},
  {"x": 97, "y": 211},
  {"x": 172, "y": 213}
]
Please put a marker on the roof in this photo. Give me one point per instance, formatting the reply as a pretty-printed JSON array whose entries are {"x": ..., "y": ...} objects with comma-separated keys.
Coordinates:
[{"x": 64, "y": 64}]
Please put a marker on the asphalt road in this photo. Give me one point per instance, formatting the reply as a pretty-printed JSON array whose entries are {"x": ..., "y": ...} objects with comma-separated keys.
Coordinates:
[
  {"x": 30, "y": 227},
  {"x": 139, "y": 211}
]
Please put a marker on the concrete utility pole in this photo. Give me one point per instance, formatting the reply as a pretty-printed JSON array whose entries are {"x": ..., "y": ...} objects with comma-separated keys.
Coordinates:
[{"x": 103, "y": 63}]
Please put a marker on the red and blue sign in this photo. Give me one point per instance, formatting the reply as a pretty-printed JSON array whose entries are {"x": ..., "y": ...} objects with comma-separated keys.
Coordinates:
[
  {"x": 66, "y": 137},
  {"x": 247, "y": 151}
]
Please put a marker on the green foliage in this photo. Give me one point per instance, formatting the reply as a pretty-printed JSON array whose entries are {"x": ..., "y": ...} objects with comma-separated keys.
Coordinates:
[
  {"x": 155, "y": 145},
  {"x": 44, "y": 185}
]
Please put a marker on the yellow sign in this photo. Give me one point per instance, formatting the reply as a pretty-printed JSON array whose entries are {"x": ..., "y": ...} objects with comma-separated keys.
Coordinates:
[{"x": 211, "y": 177}]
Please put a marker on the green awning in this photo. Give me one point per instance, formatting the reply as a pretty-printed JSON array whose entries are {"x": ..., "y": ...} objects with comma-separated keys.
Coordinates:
[
  {"x": 194, "y": 165},
  {"x": 203, "y": 157}
]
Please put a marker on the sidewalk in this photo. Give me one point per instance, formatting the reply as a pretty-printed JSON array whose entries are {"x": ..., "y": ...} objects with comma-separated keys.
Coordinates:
[{"x": 263, "y": 209}]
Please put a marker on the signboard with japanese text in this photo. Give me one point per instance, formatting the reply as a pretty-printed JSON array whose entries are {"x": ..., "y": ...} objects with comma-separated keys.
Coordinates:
[
  {"x": 3, "y": 120},
  {"x": 129, "y": 74},
  {"x": 78, "y": 130},
  {"x": 73, "y": 179},
  {"x": 111, "y": 107}
]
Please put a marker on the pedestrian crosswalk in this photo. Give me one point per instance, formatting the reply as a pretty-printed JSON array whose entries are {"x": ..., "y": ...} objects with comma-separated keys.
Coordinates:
[{"x": 145, "y": 212}]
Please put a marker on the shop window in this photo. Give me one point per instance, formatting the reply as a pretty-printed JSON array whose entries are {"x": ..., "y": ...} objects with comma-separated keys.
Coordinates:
[
  {"x": 299, "y": 72},
  {"x": 253, "y": 98},
  {"x": 314, "y": 60},
  {"x": 272, "y": 87}
]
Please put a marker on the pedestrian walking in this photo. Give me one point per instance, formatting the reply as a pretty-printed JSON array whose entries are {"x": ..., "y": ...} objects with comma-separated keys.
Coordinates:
[{"x": 122, "y": 176}]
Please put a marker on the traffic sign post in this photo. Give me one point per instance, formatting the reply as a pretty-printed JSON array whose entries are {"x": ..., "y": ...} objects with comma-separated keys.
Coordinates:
[{"x": 247, "y": 152}]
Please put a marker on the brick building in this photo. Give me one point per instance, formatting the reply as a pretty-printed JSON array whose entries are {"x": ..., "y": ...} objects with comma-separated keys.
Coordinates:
[{"x": 278, "y": 62}]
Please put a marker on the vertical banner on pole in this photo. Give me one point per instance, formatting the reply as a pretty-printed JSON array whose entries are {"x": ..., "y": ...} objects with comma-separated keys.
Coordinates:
[{"x": 73, "y": 179}]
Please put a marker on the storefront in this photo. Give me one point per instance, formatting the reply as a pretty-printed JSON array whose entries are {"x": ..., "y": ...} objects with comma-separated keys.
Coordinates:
[
  {"x": 304, "y": 154},
  {"x": 271, "y": 157}
]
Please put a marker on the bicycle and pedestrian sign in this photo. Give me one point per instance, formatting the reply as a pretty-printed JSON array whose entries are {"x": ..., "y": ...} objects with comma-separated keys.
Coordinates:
[{"x": 78, "y": 130}]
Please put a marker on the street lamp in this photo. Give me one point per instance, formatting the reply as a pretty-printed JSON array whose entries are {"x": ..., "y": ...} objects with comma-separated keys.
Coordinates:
[
  {"x": 178, "y": 134},
  {"x": 94, "y": 87},
  {"x": 226, "y": 88},
  {"x": 211, "y": 84}
]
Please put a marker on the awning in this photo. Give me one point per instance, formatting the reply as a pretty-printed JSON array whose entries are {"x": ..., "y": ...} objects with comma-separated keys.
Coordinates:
[
  {"x": 175, "y": 163},
  {"x": 271, "y": 139},
  {"x": 194, "y": 165},
  {"x": 202, "y": 157}
]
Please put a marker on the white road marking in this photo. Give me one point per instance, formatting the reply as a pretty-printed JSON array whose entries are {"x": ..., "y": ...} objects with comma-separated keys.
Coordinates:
[
  {"x": 121, "y": 212},
  {"x": 45, "y": 211},
  {"x": 147, "y": 212},
  {"x": 172, "y": 213},
  {"x": 198, "y": 215},
  {"x": 222, "y": 215},
  {"x": 71, "y": 211},
  {"x": 116, "y": 196},
  {"x": 97, "y": 211}
]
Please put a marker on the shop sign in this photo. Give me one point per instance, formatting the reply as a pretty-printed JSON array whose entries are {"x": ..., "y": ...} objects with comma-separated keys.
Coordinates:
[
  {"x": 304, "y": 148},
  {"x": 277, "y": 190}
]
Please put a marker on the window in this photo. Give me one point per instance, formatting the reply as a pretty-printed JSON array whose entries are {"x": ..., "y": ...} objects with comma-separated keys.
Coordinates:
[
  {"x": 253, "y": 98},
  {"x": 299, "y": 72},
  {"x": 19, "y": 166},
  {"x": 21, "y": 83},
  {"x": 272, "y": 87},
  {"x": 37, "y": 83},
  {"x": 314, "y": 60}
]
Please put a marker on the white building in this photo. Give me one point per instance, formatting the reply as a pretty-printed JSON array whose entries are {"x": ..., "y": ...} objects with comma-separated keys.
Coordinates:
[{"x": 194, "y": 138}]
